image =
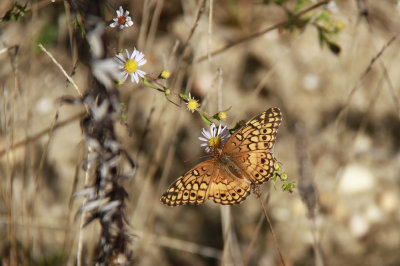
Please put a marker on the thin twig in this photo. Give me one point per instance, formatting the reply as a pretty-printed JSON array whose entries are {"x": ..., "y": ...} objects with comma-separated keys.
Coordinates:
[
  {"x": 61, "y": 68},
  {"x": 272, "y": 231},
  {"x": 210, "y": 15},
  {"x": 144, "y": 24},
  {"x": 154, "y": 24},
  {"x": 257, "y": 34},
  {"x": 256, "y": 233},
  {"x": 185, "y": 45},
  {"x": 226, "y": 236},
  {"x": 42, "y": 4},
  {"x": 45, "y": 152},
  {"x": 306, "y": 185},
  {"x": 199, "y": 13},
  {"x": 83, "y": 216},
  {"x": 41, "y": 133},
  {"x": 364, "y": 11},
  {"x": 43, "y": 157},
  {"x": 4, "y": 50},
  {"x": 363, "y": 75}
]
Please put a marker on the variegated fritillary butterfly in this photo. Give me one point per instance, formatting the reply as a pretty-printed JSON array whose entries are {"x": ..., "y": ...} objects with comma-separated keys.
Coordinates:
[{"x": 226, "y": 179}]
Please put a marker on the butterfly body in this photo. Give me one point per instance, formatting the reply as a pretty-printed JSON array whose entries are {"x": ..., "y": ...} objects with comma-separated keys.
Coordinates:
[{"x": 226, "y": 178}]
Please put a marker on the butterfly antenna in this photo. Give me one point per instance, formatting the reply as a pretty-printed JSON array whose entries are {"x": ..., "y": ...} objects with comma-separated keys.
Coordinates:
[{"x": 198, "y": 158}]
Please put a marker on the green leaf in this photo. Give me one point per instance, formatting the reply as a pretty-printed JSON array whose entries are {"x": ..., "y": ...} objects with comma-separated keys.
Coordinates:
[
  {"x": 216, "y": 117},
  {"x": 323, "y": 17},
  {"x": 148, "y": 83},
  {"x": 299, "y": 5},
  {"x": 288, "y": 186},
  {"x": 15, "y": 13},
  {"x": 47, "y": 36},
  {"x": 279, "y": 2},
  {"x": 183, "y": 96},
  {"x": 335, "y": 48},
  {"x": 205, "y": 119},
  {"x": 78, "y": 23},
  {"x": 124, "y": 116},
  {"x": 237, "y": 126}
]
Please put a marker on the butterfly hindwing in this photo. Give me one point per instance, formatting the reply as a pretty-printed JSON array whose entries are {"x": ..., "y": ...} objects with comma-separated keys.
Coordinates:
[
  {"x": 259, "y": 165},
  {"x": 191, "y": 187},
  {"x": 227, "y": 190}
]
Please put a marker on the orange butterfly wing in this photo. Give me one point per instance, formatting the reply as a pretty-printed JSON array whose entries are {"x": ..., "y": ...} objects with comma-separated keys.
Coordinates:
[
  {"x": 226, "y": 179},
  {"x": 250, "y": 146},
  {"x": 207, "y": 180}
]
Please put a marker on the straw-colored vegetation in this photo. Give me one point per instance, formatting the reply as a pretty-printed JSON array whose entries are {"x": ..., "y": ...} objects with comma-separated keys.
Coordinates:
[{"x": 331, "y": 68}]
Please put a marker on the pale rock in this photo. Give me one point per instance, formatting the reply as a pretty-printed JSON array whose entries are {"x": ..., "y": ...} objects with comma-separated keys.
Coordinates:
[
  {"x": 311, "y": 82},
  {"x": 341, "y": 212},
  {"x": 44, "y": 105},
  {"x": 356, "y": 179},
  {"x": 282, "y": 214},
  {"x": 373, "y": 214},
  {"x": 298, "y": 207},
  {"x": 359, "y": 226},
  {"x": 389, "y": 201},
  {"x": 362, "y": 144}
]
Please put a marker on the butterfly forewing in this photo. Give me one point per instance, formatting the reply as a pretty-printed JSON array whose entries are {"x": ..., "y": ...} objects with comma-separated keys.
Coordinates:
[
  {"x": 258, "y": 134},
  {"x": 250, "y": 145}
]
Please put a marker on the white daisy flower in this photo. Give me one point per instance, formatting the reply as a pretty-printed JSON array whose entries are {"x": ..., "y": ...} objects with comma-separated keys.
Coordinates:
[
  {"x": 122, "y": 20},
  {"x": 215, "y": 138},
  {"x": 130, "y": 64}
]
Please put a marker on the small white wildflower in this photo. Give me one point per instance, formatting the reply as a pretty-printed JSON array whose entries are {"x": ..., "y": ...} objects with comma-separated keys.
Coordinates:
[
  {"x": 215, "y": 138},
  {"x": 122, "y": 20},
  {"x": 332, "y": 7},
  {"x": 130, "y": 64}
]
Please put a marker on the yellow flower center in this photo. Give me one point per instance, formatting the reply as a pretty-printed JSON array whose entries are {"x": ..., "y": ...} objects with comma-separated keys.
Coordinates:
[
  {"x": 131, "y": 66},
  {"x": 339, "y": 25},
  {"x": 215, "y": 142},
  {"x": 192, "y": 104}
]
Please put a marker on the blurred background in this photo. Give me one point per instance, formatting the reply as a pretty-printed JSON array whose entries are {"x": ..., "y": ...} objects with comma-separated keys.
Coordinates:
[{"x": 333, "y": 72}]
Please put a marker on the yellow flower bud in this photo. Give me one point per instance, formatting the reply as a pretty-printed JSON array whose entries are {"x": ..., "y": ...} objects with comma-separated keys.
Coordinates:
[
  {"x": 165, "y": 74},
  {"x": 284, "y": 176},
  {"x": 222, "y": 115},
  {"x": 340, "y": 25},
  {"x": 277, "y": 166}
]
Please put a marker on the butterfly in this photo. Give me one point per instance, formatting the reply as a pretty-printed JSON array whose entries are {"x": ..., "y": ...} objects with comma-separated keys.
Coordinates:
[{"x": 226, "y": 179}]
